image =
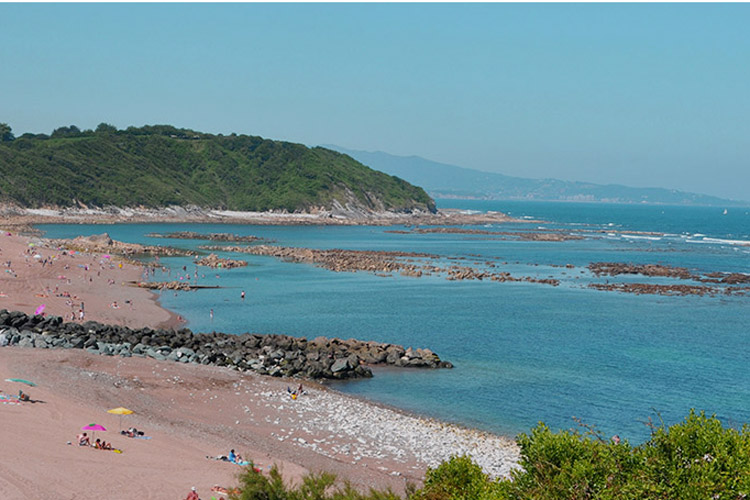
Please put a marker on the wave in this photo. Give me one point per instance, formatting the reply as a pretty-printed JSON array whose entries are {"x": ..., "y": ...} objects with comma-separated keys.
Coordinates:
[
  {"x": 633, "y": 237},
  {"x": 721, "y": 241}
]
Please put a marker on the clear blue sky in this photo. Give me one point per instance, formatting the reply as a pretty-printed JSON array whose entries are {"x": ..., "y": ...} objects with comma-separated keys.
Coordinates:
[{"x": 635, "y": 94}]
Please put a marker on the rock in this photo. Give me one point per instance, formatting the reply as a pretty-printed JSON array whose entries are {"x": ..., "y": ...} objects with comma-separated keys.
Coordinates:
[{"x": 340, "y": 365}]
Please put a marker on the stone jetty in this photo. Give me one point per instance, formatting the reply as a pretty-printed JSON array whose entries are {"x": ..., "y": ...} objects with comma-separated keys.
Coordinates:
[{"x": 275, "y": 355}]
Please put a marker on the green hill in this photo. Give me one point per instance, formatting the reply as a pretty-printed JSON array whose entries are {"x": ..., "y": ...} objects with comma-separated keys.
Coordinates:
[{"x": 157, "y": 166}]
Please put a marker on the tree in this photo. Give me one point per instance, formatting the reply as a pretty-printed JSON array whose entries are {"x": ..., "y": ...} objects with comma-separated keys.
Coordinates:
[
  {"x": 105, "y": 128},
  {"x": 71, "y": 131},
  {"x": 6, "y": 133}
]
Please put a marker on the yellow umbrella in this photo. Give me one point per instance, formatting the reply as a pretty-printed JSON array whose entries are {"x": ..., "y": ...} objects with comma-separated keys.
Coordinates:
[{"x": 120, "y": 411}]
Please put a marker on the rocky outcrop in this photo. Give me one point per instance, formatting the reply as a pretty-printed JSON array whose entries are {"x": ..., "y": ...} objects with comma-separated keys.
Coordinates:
[
  {"x": 275, "y": 355},
  {"x": 102, "y": 243},
  {"x": 382, "y": 263},
  {"x": 680, "y": 290},
  {"x": 169, "y": 285},
  {"x": 191, "y": 235},
  {"x": 213, "y": 261},
  {"x": 616, "y": 268},
  {"x": 539, "y": 235}
]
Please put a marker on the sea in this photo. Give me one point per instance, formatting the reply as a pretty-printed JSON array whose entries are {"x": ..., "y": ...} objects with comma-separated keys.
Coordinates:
[{"x": 523, "y": 352}]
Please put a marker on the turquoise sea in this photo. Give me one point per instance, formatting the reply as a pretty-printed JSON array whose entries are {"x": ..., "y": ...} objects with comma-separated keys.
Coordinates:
[{"x": 523, "y": 352}]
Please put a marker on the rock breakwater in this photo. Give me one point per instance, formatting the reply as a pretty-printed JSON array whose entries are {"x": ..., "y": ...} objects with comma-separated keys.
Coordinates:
[{"x": 275, "y": 355}]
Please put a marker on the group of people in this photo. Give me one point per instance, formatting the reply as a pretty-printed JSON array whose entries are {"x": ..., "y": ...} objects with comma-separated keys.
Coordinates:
[
  {"x": 99, "y": 444},
  {"x": 296, "y": 393},
  {"x": 132, "y": 432}
]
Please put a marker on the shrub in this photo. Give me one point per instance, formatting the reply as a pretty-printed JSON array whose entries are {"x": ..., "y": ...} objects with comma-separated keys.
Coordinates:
[{"x": 255, "y": 486}]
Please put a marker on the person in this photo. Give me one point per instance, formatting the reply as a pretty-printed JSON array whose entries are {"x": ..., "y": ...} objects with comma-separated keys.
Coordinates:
[
  {"x": 232, "y": 456},
  {"x": 83, "y": 439},
  {"x": 98, "y": 444},
  {"x": 22, "y": 395},
  {"x": 243, "y": 295},
  {"x": 193, "y": 495},
  {"x": 616, "y": 439}
]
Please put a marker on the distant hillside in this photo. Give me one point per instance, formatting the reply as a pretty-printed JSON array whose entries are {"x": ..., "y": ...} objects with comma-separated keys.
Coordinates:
[
  {"x": 157, "y": 166},
  {"x": 449, "y": 181}
]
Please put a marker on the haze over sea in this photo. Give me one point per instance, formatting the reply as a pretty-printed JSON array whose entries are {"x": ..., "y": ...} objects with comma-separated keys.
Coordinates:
[{"x": 523, "y": 352}]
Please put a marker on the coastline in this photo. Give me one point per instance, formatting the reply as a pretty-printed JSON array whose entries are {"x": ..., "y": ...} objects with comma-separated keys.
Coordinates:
[
  {"x": 26, "y": 217},
  {"x": 190, "y": 411}
]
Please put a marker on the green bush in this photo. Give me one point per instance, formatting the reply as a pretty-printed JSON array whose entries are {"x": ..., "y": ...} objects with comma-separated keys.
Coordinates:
[
  {"x": 694, "y": 459},
  {"x": 457, "y": 479},
  {"x": 255, "y": 486}
]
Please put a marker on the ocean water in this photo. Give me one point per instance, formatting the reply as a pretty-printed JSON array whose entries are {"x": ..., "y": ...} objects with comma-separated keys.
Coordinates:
[{"x": 523, "y": 352}]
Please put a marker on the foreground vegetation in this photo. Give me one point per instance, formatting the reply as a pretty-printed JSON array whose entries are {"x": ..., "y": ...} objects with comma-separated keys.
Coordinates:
[
  {"x": 158, "y": 166},
  {"x": 695, "y": 459}
]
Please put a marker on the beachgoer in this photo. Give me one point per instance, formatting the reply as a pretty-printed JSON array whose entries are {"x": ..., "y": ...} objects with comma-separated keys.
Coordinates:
[
  {"x": 211, "y": 313},
  {"x": 232, "y": 456},
  {"x": 98, "y": 444},
  {"x": 193, "y": 495},
  {"x": 616, "y": 439},
  {"x": 83, "y": 439},
  {"x": 243, "y": 295}
]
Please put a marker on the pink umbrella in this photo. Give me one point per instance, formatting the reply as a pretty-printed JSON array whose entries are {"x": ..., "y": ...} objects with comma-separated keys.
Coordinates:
[
  {"x": 39, "y": 310},
  {"x": 93, "y": 427}
]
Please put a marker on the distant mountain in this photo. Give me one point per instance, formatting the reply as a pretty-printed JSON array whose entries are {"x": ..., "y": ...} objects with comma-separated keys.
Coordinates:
[
  {"x": 158, "y": 166},
  {"x": 450, "y": 181}
]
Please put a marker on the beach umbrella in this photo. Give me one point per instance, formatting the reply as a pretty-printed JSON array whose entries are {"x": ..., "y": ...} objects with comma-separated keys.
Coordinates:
[
  {"x": 120, "y": 411},
  {"x": 93, "y": 428},
  {"x": 21, "y": 381}
]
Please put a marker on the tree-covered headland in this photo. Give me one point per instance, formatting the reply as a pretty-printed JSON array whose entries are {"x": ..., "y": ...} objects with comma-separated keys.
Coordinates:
[{"x": 160, "y": 165}]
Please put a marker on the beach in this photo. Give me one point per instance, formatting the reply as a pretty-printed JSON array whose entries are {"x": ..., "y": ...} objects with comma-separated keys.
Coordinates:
[
  {"x": 190, "y": 412},
  {"x": 36, "y": 273}
]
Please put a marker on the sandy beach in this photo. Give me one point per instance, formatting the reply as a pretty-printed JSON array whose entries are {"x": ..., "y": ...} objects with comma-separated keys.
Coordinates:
[
  {"x": 190, "y": 412},
  {"x": 34, "y": 272}
]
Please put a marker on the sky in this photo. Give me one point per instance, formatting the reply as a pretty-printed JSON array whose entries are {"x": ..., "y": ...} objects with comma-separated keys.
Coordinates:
[{"x": 643, "y": 95}]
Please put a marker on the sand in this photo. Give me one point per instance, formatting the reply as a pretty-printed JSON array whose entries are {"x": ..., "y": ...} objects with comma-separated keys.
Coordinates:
[{"x": 189, "y": 411}]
